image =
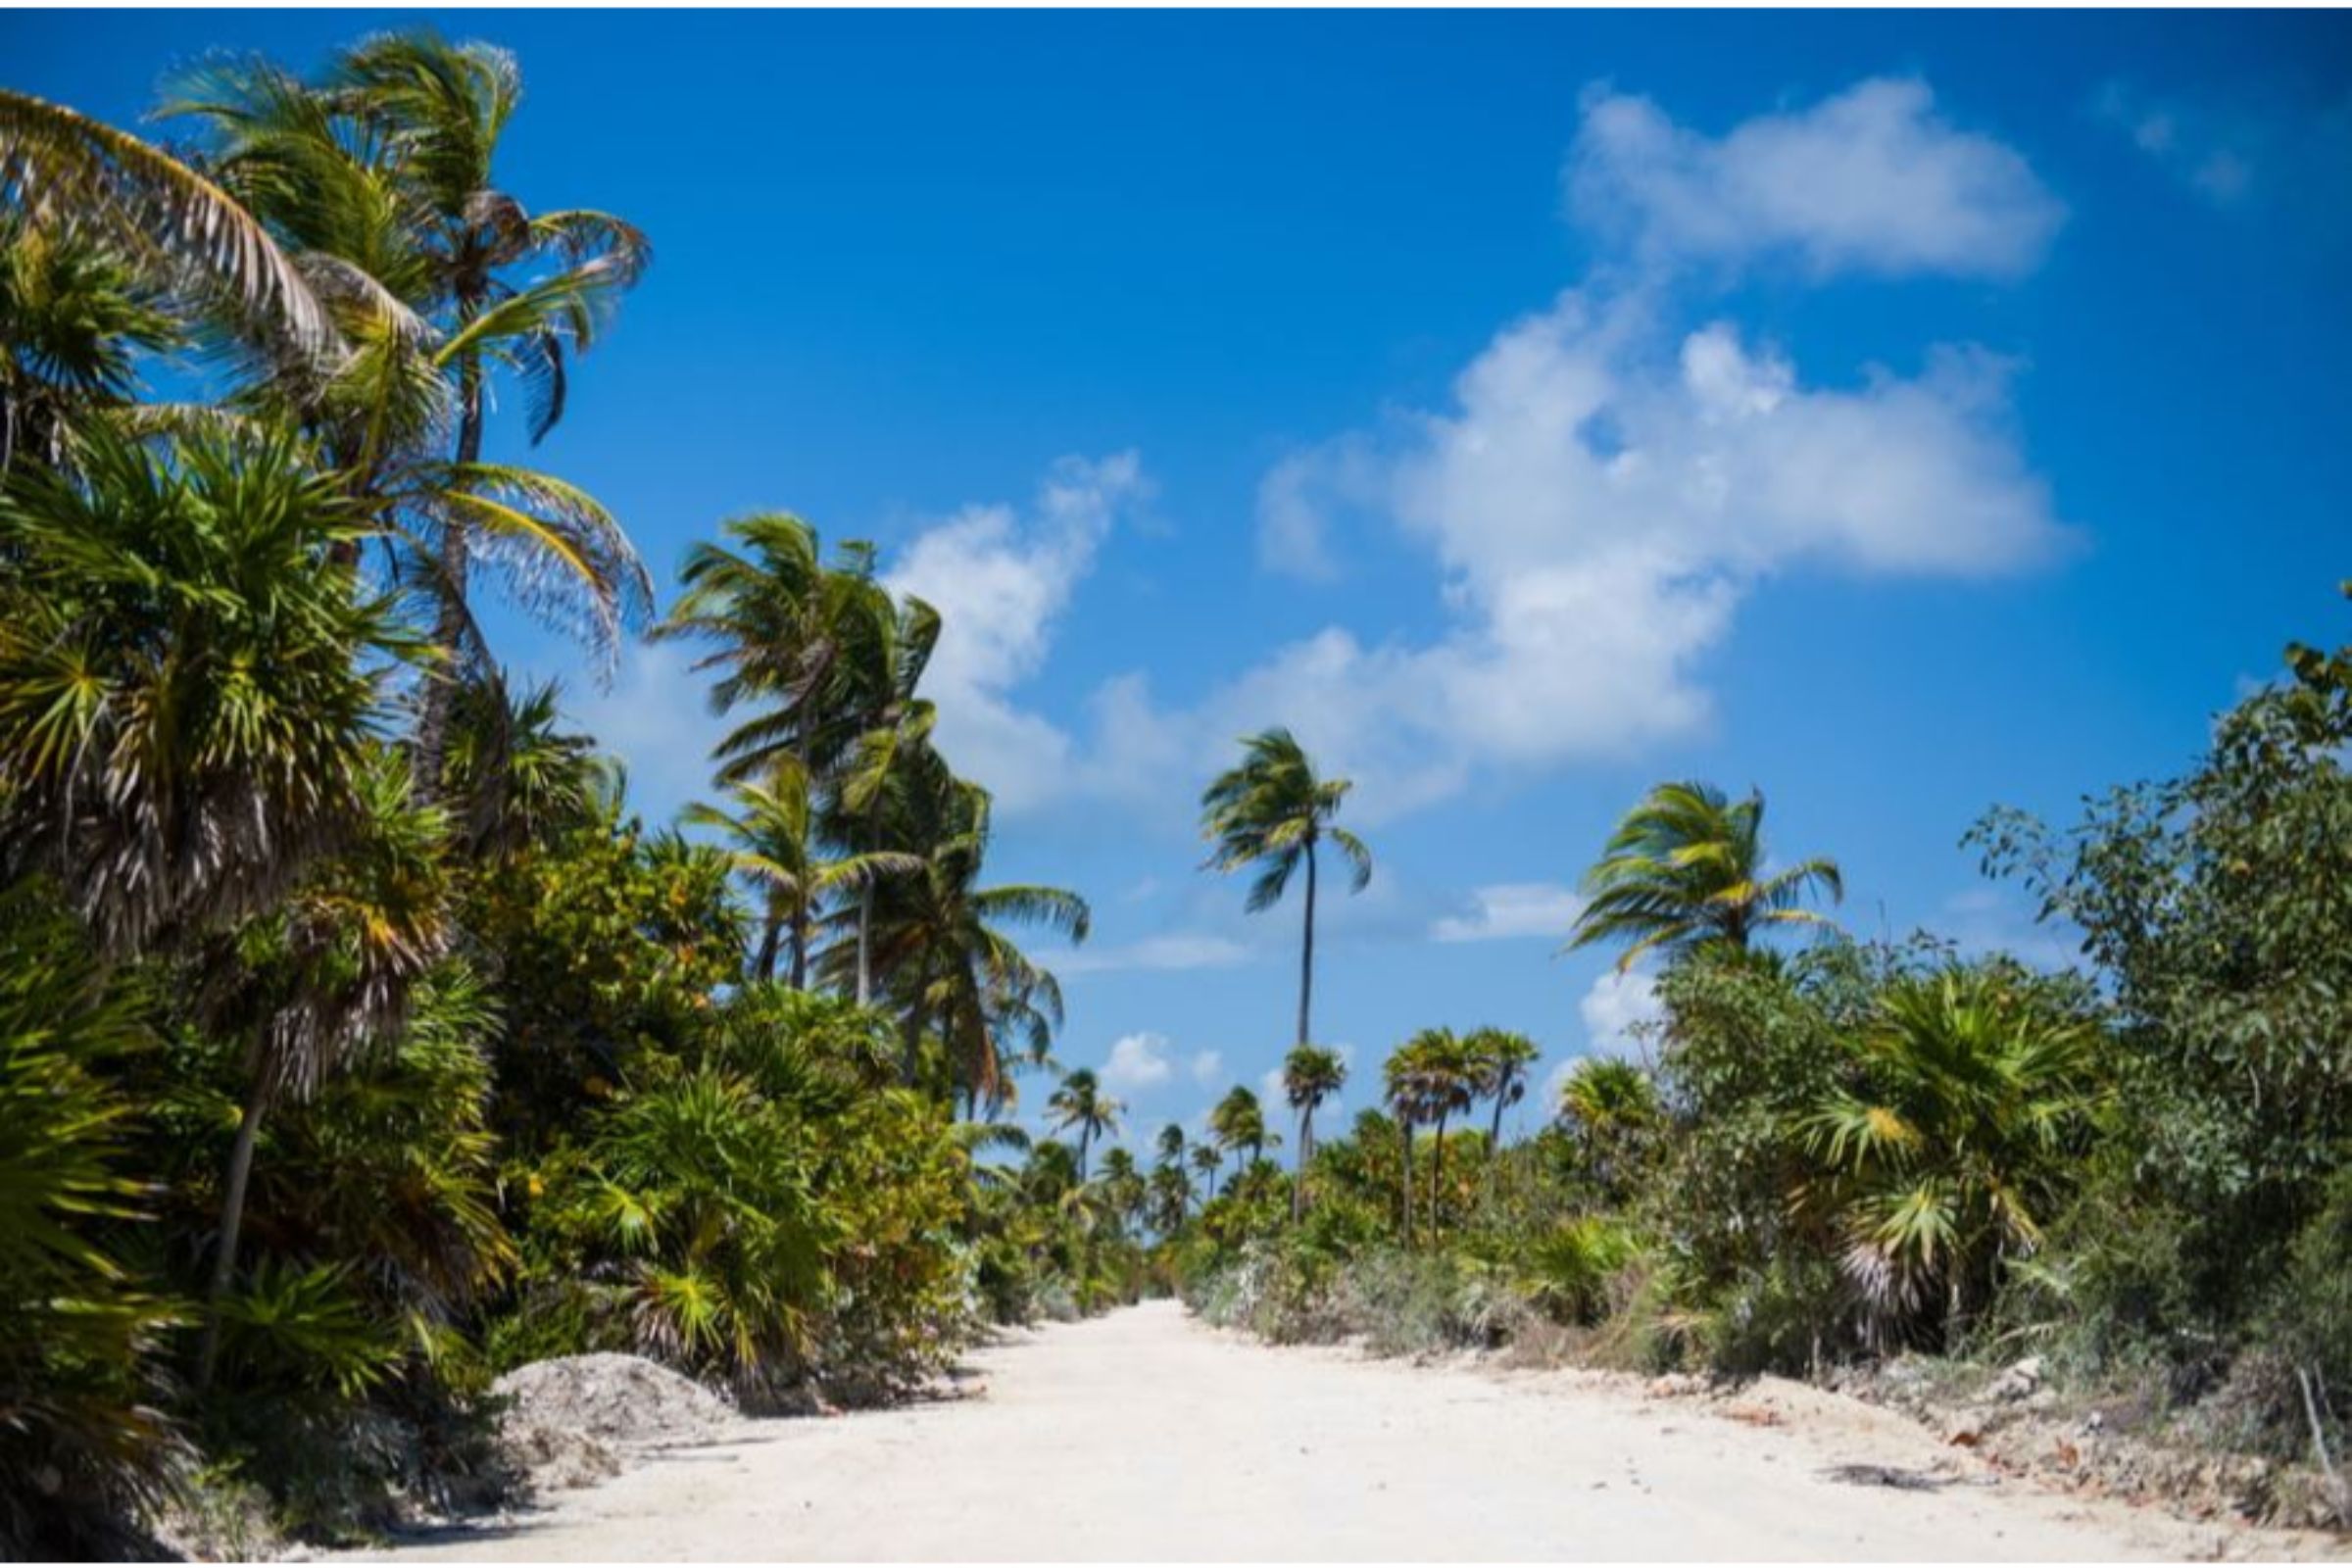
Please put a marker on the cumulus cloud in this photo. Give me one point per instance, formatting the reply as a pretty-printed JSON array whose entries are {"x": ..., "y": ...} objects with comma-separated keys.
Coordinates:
[
  {"x": 1207, "y": 1067},
  {"x": 1001, "y": 578},
  {"x": 1613, "y": 1009},
  {"x": 1507, "y": 910},
  {"x": 657, "y": 717},
  {"x": 1601, "y": 494},
  {"x": 1870, "y": 180},
  {"x": 1138, "y": 1062}
]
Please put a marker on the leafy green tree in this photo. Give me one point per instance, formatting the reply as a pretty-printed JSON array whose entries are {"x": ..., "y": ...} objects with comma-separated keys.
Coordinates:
[
  {"x": 1687, "y": 867},
  {"x": 1081, "y": 1105},
  {"x": 1310, "y": 1075},
  {"x": 1272, "y": 812}
]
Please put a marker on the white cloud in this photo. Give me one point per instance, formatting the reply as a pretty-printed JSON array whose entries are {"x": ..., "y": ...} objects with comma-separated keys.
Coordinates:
[
  {"x": 1870, "y": 180},
  {"x": 1270, "y": 1090},
  {"x": 1174, "y": 950},
  {"x": 1507, "y": 910},
  {"x": 1613, "y": 1006},
  {"x": 1207, "y": 1067},
  {"x": 2211, "y": 152},
  {"x": 1138, "y": 1062},
  {"x": 656, "y": 718},
  {"x": 1600, "y": 497},
  {"x": 999, "y": 581}
]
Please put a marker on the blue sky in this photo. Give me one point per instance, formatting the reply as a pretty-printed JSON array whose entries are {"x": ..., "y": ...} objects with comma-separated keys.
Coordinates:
[{"x": 1902, "y": 414}]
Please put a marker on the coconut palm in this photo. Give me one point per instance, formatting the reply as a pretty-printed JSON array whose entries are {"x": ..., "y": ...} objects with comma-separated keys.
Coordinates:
[
  {"x": 1310, "y": 1075},
  {"x": 1171, "y": 1196},
  {"x": 67, "y": 171},
  {"x": 1207, "y": 1161},
  {"x": 1272, "y": 812},
  {"x": 1687, "y": 867},
  {"x": 1498, "y": 1062},
  {"x": 1239, "y": 1123},
  {"x": 938, "y": 936},
  {"x": 1080, "y": 1103},
  {"x": 1170, "y": 1144},
  {"x": 1952, "y": 1150},
  {"x": 772, "y": 842},
  {"x": 380, "y": 182}
]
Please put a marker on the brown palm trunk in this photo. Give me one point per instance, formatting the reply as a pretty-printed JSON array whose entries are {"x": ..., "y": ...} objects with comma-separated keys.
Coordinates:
[
  {"x": 1307, "y": 949},
  {"x": 1306, "y": 1147},
  {"x": 1407, "y": 1125},
  {"x": 1436, "y": 1176},
  {"x": 449, "y": 626},
  {"x": 233, "y": 1212}
]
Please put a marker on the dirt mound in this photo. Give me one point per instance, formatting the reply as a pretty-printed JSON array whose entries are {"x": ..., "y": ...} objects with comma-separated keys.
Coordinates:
[{"x": 568, "y": 1422}]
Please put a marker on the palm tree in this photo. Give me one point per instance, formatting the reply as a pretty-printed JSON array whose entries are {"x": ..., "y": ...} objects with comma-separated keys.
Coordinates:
[
  {"x": 67, "y": 171},
  {"x": 1081, "y": 1104},
  {"x": 326, "y": 978},
  {"x": 891, "y": 645},
  {"x": 184, "y": 697},
  {"x": 1975, "y": 1088},
  {"x": 1271, "y": 811},
  {"x": 772, "y": 842},
  {"x": 379, "y": 181},
  {"x": 515, "y": 776},
  {"x": 939, "y": 937},
  {"x": 1687, "y": 867},
  {"x": 1171, "y": 1144},
  {"x": 1499, "y": 1061},
  {"x": 1239, "y": 1123},
  {"x": 1406, "y": 1085},
  {"x": 1207, "y": 1159},
  {"x": 1310, "y": 1075},
  {"x": 1612, "y": 1104},
  {"x": 74, "y": 321},
  {"x": 1171, "y": 1196},
  {"x": 1448, "y": 1079}
]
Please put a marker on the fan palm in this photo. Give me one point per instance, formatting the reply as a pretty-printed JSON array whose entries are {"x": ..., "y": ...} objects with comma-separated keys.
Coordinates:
[
  {"x": 1310, "y": 1075},
  {"x": 1239, "y": 1122},
  {"x": 186, "y": 690},
  {"x": 1271, "y": 811},
  {"x": 515, "y": 778},
  {"x": 1951, "y": 1151},
  {"x": 1612, "y": 1106},
  {"x": 74, "y": 321},
  {"x": 1428, "y": 1079},
  {"x": 1688, "y": 866},
  {"x": 1081, "y": 1105},
  {"x": 1206, "y": 1160}
]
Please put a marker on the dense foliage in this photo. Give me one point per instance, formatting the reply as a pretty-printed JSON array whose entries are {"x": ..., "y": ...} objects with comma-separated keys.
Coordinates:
[
  {"x": 1834, "y": 1151},
  {"x": 357, "y": 1042}
]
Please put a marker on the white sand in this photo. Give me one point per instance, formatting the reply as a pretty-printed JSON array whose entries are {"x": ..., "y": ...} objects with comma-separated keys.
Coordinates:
[{"x": 1147, "y": 1435}]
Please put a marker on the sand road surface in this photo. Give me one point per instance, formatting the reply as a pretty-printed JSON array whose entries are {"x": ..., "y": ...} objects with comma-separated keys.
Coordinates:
[{"x": 1147, "y": 1435}]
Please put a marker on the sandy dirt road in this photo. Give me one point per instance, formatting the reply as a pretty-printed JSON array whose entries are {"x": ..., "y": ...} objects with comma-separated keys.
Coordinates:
[{"x": 1147, "y": 1435}]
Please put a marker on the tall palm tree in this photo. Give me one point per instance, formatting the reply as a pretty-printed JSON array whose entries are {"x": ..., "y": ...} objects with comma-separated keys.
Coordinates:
[
  {"x": 379, "y": 181},
  {"x": 1170, "y": 1144},
  {"x": 938, "y": 936},
  {"x": 1498, "y": 1062},
  {"x": 772, "y": 844},
  {"x": 1081, "y": 1104},
  {"x": 891, "y": 645},
  {"x": 64, "y": 170},
  {"x": 1206, "y": 1160},
  {"x": 1239, "y": 1123},
  {"x": 1687, "y": 867},
  {"x": 1450, "y": 1087},
  {"x": 1612, "y": 1106},
  {"x": 1405, "y": 1085},
  {"x": 1271, "y": 811},
  {"x": 1310, "y": 1075}
]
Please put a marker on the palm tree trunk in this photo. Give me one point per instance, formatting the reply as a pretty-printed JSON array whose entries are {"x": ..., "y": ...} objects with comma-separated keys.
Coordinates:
[
  {"x": 232, "y": 1213},
  {"x": 866, "y": 961},
  {"x": 772, "y": 933},
  {"x": 800, "y": 945},
  {"x": 1084, "y": 1138},
  {"x": 448, "y": 627},
  {"x": 1407, "y": 1124},
  {"x": 1306, "y": 1147},
  {"x": 1436, "y": 1176},
  {"x": 1307, "y": 949}
]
